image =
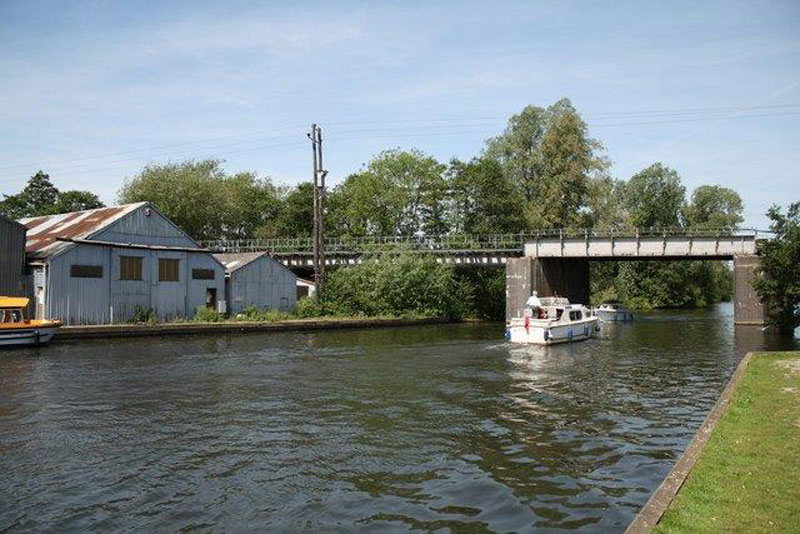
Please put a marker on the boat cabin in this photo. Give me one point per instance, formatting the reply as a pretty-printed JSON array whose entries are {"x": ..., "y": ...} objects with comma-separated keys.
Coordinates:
[{"x": 12, "y": 310}]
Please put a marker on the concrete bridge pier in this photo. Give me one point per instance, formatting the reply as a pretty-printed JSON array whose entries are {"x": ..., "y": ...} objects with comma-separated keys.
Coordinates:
[
  {"x": 747, "y": 305},
  {"x": 563, "y": 277}
]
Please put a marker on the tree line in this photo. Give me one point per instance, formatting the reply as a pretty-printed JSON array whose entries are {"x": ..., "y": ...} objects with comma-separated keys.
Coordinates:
[{"x": 543, "y": 171}]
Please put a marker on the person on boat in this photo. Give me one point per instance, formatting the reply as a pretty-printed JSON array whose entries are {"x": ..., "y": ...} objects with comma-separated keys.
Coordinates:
[{"x": 535, "y": 305}]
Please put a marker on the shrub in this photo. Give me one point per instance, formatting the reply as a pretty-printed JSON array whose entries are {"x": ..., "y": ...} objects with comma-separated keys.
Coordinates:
[
  {"x": 208, "y": 315},
  {"x": 143, "y": 315}
]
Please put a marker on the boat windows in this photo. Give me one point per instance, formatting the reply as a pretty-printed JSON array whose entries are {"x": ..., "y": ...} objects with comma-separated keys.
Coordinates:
[
  {"x": 130, "y": 267},
  {"x": 12, "y": 316},
  {"x": 575, "y": 315},
  {"x": 559, "y": 313}
]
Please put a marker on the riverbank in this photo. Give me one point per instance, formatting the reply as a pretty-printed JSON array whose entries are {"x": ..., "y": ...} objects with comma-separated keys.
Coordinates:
[
  {"x": 196, "y": 327},
  {"x": 748, "y": 471}
]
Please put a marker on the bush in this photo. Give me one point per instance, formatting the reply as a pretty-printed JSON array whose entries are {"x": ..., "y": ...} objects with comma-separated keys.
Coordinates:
[
  {"x": 396, "y": 284},
  {"x": 142, "y": 315},
  {"x": 307, "y": 308},
  {"x": 253, "y": 313},
  {"x": 208, "y": 315}
]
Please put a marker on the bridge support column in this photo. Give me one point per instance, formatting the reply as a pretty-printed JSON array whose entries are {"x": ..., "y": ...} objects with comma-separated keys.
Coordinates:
[
  {"x": 563, "y": 277},
  {"x": 747, "y": 306}
]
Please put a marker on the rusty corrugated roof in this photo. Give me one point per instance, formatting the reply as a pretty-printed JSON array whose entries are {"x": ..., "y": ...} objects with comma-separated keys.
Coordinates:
[{"x": 44, "y": 232}]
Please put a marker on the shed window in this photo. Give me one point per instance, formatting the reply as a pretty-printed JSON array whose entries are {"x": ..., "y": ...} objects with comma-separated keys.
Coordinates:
[
  {"x": 202, "y": 274},
  {"x": 86, "y": 271},
  {"x": 130, "y": 268},
  {"x": 168, "y": 270}
]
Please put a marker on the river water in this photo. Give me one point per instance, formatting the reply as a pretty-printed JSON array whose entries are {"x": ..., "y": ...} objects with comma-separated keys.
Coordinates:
[{"x": 426, "y": 428}]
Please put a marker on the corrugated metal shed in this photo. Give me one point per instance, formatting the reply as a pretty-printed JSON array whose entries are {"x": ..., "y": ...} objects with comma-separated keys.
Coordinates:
[
  {"x": 256, "y": 279},
  {"x": 44, "y": 231},
  {"x": 101, "y": 266},
  {"x": 12, "y": 257}
]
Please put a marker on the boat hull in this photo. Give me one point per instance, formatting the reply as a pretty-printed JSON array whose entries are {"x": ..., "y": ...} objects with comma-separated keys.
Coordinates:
[
  {"x": 614, "y": 316},
  {"x": 552, "y": 334},
  {"x": 27, "y": 336}
]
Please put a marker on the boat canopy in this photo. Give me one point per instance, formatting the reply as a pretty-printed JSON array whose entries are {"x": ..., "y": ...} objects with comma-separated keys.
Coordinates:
[{"x": 14, "y": 302}]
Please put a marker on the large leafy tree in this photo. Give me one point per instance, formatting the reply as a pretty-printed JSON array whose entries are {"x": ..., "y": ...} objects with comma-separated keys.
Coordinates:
[
  {"x": 41, "y": 197},
  {"x": 714, "y": 206},
  {"x": 778, "y": 280},
  {"x": 484, "y": 199},
  {"x": 550, "y": 156},
  {"x": 398, "y": 193},
  {"x": 296, "y": 215},
  {"x": 203, "y": 200},
  {"x": 654, "y": 197}
]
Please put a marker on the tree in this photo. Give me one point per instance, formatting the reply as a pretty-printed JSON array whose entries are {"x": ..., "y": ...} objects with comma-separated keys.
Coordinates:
[
  {"x": 605, "y": 201},
  {"x": 714, "y": 206},
  {"x": 203, "y": 200},
  {"x": 654, "y": 198},
  {"x": 41, "y": 197},
  {"x": 296, "y": 215},
  {"x": 778, "y": 276},
  {"x": 77, "y": 201},
  {"x": 549, "y": 155},
  {"x": 398, "y": 193},
  {"x": 484, "y": 199},
  {"x": 189, "y": 193}
]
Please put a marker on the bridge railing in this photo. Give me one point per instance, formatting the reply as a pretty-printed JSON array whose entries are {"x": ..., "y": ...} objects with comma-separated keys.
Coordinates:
[{"x": 456, "y": 242}]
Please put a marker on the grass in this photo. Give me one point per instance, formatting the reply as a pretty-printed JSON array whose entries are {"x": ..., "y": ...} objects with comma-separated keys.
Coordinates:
[{"x": 748, "y": 476}]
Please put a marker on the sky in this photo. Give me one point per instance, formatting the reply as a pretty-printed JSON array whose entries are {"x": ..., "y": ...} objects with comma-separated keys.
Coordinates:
[{"x": 92, "y": 91}]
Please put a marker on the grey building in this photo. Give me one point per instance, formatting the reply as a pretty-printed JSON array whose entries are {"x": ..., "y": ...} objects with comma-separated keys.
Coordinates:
[
  {"x": 256, "y": 279},
  {"x": 12, "y": 257},
  {"x": 101, "y": 266}
]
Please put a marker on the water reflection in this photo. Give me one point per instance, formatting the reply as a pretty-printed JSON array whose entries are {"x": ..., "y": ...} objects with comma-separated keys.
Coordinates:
[{"x": 396, "y": 429}]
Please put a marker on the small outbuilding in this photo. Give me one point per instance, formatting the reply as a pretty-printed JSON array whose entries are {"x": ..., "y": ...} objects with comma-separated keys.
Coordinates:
[
  {"x": 106, "y": 265},
  {"x": 12, "y": 257},
  {"x": 255, "y": 279}
]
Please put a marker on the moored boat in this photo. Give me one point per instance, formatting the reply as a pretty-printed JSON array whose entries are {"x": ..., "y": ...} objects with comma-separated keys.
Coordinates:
[
  {"x": 16, "y": 329},
  {"x": 551, "y": 320},
  {"x": 613, "y": 311}
]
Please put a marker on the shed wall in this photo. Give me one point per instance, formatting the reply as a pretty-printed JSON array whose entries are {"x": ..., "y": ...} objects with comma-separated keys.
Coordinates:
[
  {"x": 111, "y": 300},
  {"x": 263, "y": 283},
  {"x": 12, "y": 257},
  {"x": 143, "y": 229}
]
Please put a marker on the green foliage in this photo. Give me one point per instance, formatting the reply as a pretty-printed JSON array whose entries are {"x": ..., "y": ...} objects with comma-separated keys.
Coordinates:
[
  {"x": 144, "y": 315},
  {"x": 778, "y": 277},
  {"x": 654, "y": 198},
  {"x": 549, "y": 155},
  {"x": 487, "y": 286},
  {"x": 308, "y": 308},
  {"x": 203, "y": 200},
  {"x": 41, "y": 197},
  {"x": 253, "y": 313},
  {"x": 208, "y": 315},
  {"x": 397, "y": 284},
  {"x": 296, "y": 215},
  {"x": 484, "y": 199},
  {"x": 398, "y": 193},
  {"x": 714, "y": 206}
]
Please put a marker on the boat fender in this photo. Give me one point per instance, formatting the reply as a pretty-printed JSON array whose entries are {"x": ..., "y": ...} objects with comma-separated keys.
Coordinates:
[
  {"x": 597, "y": 328},
  {"x": 570, "y": 334},
  {"x": 507, "y": 334},
  {"x": 37, "y": 337},
  {"x": 586, "y": 330},
  {"x": 546, "y": 335}
]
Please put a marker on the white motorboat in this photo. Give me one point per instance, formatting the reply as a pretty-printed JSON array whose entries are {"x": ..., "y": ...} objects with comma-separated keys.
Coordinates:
[
  {"x": 551, "y": 320},
  {"x": 16, "y": 329},
  {"x": 613, "y": 311}
]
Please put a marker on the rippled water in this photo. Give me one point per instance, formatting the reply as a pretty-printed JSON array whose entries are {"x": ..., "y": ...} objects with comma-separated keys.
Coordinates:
[{"x": 376, "y": 430}]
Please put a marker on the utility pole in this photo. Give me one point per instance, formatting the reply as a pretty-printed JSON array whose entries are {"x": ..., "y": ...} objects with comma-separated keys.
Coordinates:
[{"x": 319, "y": 210}]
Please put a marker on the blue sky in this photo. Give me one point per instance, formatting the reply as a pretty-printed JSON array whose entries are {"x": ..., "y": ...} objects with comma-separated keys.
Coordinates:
[{"x": 91, "y": 91}]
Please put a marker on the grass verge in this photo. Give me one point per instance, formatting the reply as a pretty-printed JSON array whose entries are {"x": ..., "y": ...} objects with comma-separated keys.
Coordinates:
[{"x": 748, "y": 476}]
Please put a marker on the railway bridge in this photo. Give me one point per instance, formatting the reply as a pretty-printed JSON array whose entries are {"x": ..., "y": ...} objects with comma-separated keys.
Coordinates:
[{"x": 549, "y": 261}]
